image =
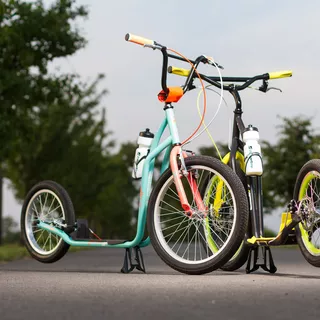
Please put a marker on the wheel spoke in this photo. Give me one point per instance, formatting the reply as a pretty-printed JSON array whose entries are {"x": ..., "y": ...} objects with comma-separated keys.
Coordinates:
[
  {"x": 168, "y": 220},
  {"x": 186, "y": 234},
  {"x": 42, "y": 205},
  {"x": 50, "y": 241},
  {"x": 173, "y": 197},
  {"x": 40, "y": 235},
  {"x": 45, "y": 243},
  {"x": 53, "y": 199},
  {"x": 186, "y": 229},
  {"x": 171, "y": 234},
  {"x": 35, "y": 209},
  {"x": 168, "y": 204},
  {"x": 54, "y": 209},
  {"x": 186, "y": 238}
]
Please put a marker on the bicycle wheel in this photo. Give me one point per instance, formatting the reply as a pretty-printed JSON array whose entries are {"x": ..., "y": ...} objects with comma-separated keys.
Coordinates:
[
  {"x": 307, "y": 192},
  {"x": 177, "y": 238},
  {"x": 49, "y": 202},
  {"x": 241, "y": 255}
]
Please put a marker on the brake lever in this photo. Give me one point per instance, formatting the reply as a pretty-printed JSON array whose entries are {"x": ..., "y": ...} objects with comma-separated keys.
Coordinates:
[
  {"x": 264, "y": 87},
  {"x": 274, "y": 88},
  {"x": 211, "y": 61}
]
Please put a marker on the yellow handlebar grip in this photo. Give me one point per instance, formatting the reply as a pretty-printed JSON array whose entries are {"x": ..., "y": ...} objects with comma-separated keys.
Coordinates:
[
  {"x": 179, "y": 71},
  {"x": 280, "y": 74}
]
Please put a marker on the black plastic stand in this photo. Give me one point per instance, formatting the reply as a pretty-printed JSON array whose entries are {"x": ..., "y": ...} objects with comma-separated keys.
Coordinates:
[
  {"x": 267, "y": 265},
  {"x": 128, "y": 265}
]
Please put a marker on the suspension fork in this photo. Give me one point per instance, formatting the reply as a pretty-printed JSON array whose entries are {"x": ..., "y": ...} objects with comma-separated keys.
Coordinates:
[
  {"x": 176, "y": 150},
  {"x": 256, "y": 205},
  {"x": 254, "y": 182}
]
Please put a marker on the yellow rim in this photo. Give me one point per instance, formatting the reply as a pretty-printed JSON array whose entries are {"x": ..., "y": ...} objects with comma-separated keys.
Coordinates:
[
  {"x": 218, "y": 201},
  {"x": 302, "y": 194}
]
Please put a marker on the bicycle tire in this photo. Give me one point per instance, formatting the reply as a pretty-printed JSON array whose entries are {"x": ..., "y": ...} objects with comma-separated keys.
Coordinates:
[
  {"x": 309, "y": 246},
  {"x": 238, "y": 230},
  {"x": 241, "y": 255},
  {"x": 31, "y": 208}
]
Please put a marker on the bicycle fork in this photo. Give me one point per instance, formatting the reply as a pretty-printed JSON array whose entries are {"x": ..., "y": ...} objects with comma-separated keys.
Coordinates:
[
  {"x": 176, "y": 150},
  {"x": 256, "y": 213}
]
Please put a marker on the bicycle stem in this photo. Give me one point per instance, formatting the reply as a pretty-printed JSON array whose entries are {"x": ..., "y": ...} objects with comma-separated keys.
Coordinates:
[
  {"x": 191, "y": 76},
  {"x": 164, "y": 70}
]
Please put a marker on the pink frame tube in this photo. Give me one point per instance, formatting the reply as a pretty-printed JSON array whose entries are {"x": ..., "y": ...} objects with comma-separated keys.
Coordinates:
[{"x": 177, "y": 180}]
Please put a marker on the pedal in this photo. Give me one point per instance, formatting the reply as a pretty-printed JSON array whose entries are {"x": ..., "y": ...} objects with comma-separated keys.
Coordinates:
[
  {"x": 267, "y": 265},
  {"x": 128, "y": 265}
]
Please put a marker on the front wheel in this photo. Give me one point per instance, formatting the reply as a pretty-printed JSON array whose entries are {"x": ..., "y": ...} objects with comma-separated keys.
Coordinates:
[
  {"x": 49, "y": 202},
  {"x": 177, "y": 238},
  {"x": 307, "y": 192}
]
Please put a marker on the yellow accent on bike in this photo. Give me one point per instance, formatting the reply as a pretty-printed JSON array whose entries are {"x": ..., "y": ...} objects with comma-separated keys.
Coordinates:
[
  {"x": 239, "y": 157},
  {"x": 310, "y": 246},
  {"x": 280, "y": 74},
  {"x": 253, "y": 240},
  {"x": 286, "y": 219},
  {"x": 179, "y": 71}
]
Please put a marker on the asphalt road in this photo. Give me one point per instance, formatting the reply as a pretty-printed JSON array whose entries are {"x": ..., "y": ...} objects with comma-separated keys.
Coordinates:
[{"x": 89, "y": 285}]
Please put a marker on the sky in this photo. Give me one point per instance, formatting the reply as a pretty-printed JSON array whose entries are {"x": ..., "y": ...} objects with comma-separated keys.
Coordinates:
[{"x": 246, "y": 37}]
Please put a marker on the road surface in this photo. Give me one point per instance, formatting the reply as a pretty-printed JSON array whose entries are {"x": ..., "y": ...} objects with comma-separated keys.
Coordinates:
[{"x": 88, "y": 285}]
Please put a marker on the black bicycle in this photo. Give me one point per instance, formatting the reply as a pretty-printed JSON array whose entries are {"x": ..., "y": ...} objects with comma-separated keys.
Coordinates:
[{"x": 301, "y": 223}]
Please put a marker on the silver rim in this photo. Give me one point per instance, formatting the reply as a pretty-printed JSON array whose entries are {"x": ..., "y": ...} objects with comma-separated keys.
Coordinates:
[
  {"x": 46, "y": 206},
  {"x": 184, "y": 238}
]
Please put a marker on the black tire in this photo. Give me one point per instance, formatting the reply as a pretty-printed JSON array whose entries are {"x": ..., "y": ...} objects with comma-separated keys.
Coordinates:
[
  {"x": 239, "y": 224},
  {"x": 309, "y": 250},
  {"x": 241, "y": 256},
  {"x": 57, "y": 193}
]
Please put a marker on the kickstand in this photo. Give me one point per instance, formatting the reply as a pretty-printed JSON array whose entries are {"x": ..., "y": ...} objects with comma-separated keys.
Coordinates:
[
  {"x": 267, "y": 265},
  {"x": 128, "y": 265}
]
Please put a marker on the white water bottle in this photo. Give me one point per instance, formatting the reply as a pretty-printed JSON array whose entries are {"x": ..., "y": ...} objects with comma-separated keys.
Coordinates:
[
  {"x": 252, "y": 152},
  {"x": 144, "y": 141}
]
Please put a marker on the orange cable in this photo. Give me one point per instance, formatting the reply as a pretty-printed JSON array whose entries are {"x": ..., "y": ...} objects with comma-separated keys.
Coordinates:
[
  {"x": 204, "y": 95},
  {"x": 95, "y": 235}
]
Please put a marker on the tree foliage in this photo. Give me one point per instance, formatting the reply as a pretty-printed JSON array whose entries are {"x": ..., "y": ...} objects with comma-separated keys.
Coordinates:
[
  {"x": 297, "y": 143},
  {"x": 10, "y": 230},
  {"x": 54, "y": 127},
  {"x": 212, "y": 151},
  {"x": 31, "y": 36}
]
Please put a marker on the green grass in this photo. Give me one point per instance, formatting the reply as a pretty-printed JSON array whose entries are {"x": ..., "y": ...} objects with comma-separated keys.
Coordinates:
[{"x": 10, "y": 252}]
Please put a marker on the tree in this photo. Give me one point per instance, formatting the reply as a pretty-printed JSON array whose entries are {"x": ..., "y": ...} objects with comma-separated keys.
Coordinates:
[
  {"x": 65, "y": 140},
  {"x": 59, "y": 127},
  {"x": 10, "y": 231},
  {"x": 55, "y": 132},
  {"x": 31, "y": 36},
  {"x": 297, "y": 144},
  {"x": 212, "y": 151}
]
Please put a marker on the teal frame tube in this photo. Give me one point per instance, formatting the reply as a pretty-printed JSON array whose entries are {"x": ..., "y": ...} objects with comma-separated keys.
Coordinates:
[{"x": 146, "y": 181}]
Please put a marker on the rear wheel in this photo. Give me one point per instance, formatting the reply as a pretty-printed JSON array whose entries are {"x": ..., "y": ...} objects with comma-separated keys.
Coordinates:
[
  {"x": 307, "y": 192},
  {"x": 177, "y": 238},
  {"x": 241, "y": 255},
  {"x": 49, "y": 202}
]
